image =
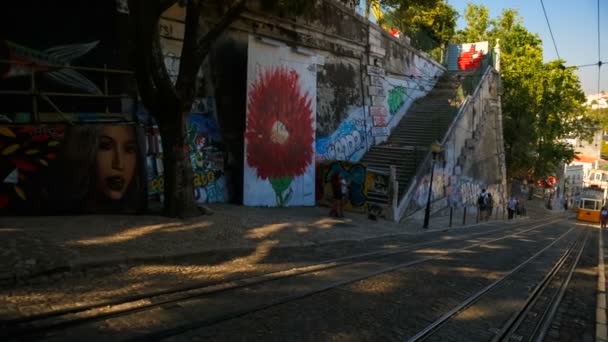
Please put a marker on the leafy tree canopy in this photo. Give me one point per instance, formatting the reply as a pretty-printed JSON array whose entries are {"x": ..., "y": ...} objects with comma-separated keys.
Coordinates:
[{"x": 542, "y": 103}]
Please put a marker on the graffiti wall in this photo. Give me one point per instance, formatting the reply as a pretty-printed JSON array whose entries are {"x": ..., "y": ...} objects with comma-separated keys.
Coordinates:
[
  {"x": 280, "y": 126},
  {"x": 206, "y": 155},
  {"x": 349, "y": 141},
  {"x": 51, "y": 169},
  {"x": 342, "y": 132},
  {"x": 346, "y": 128},
  {"x": 361, "y": 183}
]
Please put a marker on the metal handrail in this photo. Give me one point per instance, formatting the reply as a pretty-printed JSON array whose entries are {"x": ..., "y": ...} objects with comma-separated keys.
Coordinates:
[{"x": 36, "y": 94}]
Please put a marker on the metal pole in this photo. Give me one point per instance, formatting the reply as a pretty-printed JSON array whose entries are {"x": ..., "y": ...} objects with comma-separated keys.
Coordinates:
[
  {"x": 450, "y": 225},
  {"x": 464, "y": 216},
  {"x": 36, "y": 117},
  {"x": 427, "y": 211}
]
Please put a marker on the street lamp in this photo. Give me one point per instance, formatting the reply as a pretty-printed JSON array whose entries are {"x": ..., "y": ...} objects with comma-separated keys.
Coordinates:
[{"x": 435, "y": 149}]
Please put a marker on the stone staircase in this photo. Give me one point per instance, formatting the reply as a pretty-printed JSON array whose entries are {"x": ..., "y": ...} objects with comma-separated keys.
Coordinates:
[{"x": 426, "y": 121}]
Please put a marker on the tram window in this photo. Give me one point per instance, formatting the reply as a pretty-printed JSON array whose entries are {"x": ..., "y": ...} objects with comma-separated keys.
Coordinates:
[{"x": 590, "y": 205}]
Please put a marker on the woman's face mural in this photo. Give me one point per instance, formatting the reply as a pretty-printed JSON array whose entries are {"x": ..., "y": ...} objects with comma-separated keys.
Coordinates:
[{"x": 116, "y": 159}]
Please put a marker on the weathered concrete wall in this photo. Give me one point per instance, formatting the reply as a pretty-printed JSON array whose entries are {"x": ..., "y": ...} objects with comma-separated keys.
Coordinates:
[
  {"x": 366, "y": 79},
  {"x": 472, "y": 158},
  {"x": 360, "y": 182}
]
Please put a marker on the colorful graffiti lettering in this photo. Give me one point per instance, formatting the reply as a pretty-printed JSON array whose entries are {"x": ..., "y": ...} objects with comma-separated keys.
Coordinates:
[
  {"x": 360, "y": 182},
  {"x": 347, "y": 143},
  {"x": 206, "y": 156}
]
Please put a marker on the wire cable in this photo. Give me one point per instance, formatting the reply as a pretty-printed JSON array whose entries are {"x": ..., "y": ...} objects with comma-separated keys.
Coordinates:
[
  {"x": 550, "y": 31},
  {"x": 586, "y": 65},
  {"x": 599, "y": 55}
]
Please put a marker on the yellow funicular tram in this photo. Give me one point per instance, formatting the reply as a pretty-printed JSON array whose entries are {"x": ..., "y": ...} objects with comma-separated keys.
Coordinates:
[{"x": 590, "y": 203}]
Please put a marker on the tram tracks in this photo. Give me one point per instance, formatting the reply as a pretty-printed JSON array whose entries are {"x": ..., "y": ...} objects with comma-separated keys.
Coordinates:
[
  {"x": 532, "y": 320},
  {"x": 362, "y": 265}
]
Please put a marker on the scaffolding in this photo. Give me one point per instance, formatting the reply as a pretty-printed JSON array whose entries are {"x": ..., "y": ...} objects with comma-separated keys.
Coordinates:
[{"x": 45, "y": 105}]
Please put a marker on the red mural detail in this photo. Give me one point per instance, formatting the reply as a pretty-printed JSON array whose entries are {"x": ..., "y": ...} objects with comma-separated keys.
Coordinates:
[
  {"x": 23, "y": 165},
  {"x": 40, "y": 138},
  {"x": 26, "y": 151},
  {"x": 470, "y": 60},
  {"x": 279, "y": 130}
]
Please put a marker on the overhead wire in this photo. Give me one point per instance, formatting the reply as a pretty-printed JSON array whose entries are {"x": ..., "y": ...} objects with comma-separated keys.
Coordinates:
[
  {"x": 599, "y": 55},
  {"x": 550, "y": 31}
]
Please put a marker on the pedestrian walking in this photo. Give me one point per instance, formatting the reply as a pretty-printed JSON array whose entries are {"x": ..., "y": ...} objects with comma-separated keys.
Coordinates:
[
  {"x": 489, "y": 205},
  {"x": 482, "y": 201},
  {"x": 339, "y": 188},
  {"x": 603, "y": 216},
  {"x": 511, "y": 207}
]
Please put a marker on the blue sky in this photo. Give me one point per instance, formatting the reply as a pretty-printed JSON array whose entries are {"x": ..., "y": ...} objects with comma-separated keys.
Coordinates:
[{"x": 575, "y": 29}]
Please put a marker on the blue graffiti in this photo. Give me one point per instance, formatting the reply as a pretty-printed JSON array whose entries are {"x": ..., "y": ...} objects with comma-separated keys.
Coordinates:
[
  {"x": 355, "y": 177},
  {"x": 346, "y": 143}
]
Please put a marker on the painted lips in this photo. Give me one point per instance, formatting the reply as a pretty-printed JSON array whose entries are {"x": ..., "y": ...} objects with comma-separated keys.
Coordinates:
[{"x": 115, "y": 183}]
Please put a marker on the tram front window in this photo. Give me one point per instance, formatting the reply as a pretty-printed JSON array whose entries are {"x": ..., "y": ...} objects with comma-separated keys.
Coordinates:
[{"x": 591, "y": 205}]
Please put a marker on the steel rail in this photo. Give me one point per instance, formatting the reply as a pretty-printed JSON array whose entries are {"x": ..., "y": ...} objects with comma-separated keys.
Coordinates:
[
  {"x": 252, "y": 280},
  {"x": 548, "y": 315},
  {"x": 221, "y": 287},
  {"x": 510, "y": 327},
  {"x": 433, "y": 327}
]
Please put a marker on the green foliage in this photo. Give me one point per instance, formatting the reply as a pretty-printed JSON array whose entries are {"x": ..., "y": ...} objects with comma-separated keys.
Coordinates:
[
  {"x": 601, "y": 114},
  {"x": 477, "y": 24},
  {"x": 430, "y": 22},
  {"x": 604, "y": 151},
  {"x": 542, "y": 103}
]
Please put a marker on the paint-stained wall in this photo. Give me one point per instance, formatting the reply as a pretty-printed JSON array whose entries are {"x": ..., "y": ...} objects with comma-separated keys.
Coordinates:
[
  {"x": 360, "y": 182},
  {"x": 338, "y": 90},
  {"x": 206, "y": 149},
  {"x": 362, "y": 92},
  {"x": 472, "y": 158}
]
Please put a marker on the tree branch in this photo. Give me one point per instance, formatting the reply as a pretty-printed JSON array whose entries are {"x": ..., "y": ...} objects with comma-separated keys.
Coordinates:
[
  {"x": 144, "y": 19},
  {"x": 205, "y": 42},
  {"x": 189, "y": 64},
  {"x": 158, "y": 70},
  {"x": 152, "y": 77},
  {"x": 164, "y": 5}
]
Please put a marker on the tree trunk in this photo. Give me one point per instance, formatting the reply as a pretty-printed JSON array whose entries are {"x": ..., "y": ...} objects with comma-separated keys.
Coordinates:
[
  {"x": 178, "y": 174},
  {"x": 170, "y": 104}
]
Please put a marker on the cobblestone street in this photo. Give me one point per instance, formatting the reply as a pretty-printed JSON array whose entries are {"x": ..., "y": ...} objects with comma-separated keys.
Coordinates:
[{"x": 92, "y": 262}]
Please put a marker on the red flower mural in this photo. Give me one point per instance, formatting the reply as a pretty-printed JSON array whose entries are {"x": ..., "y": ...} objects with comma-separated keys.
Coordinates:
[
  {"x": 470, "y": 60},
  {"x": 279, "y": 132}
]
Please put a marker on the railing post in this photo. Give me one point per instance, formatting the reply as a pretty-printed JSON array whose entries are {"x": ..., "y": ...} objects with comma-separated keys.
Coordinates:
[
  {"x": 497, "y": 55},
  {"x": 395, "y": 190},
  {"x": 105, "y": 86},
  {"x": 36, "y": 117}
]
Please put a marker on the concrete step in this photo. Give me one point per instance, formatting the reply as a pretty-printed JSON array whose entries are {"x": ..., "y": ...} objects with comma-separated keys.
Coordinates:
[{"x": 426, "y": 121}]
